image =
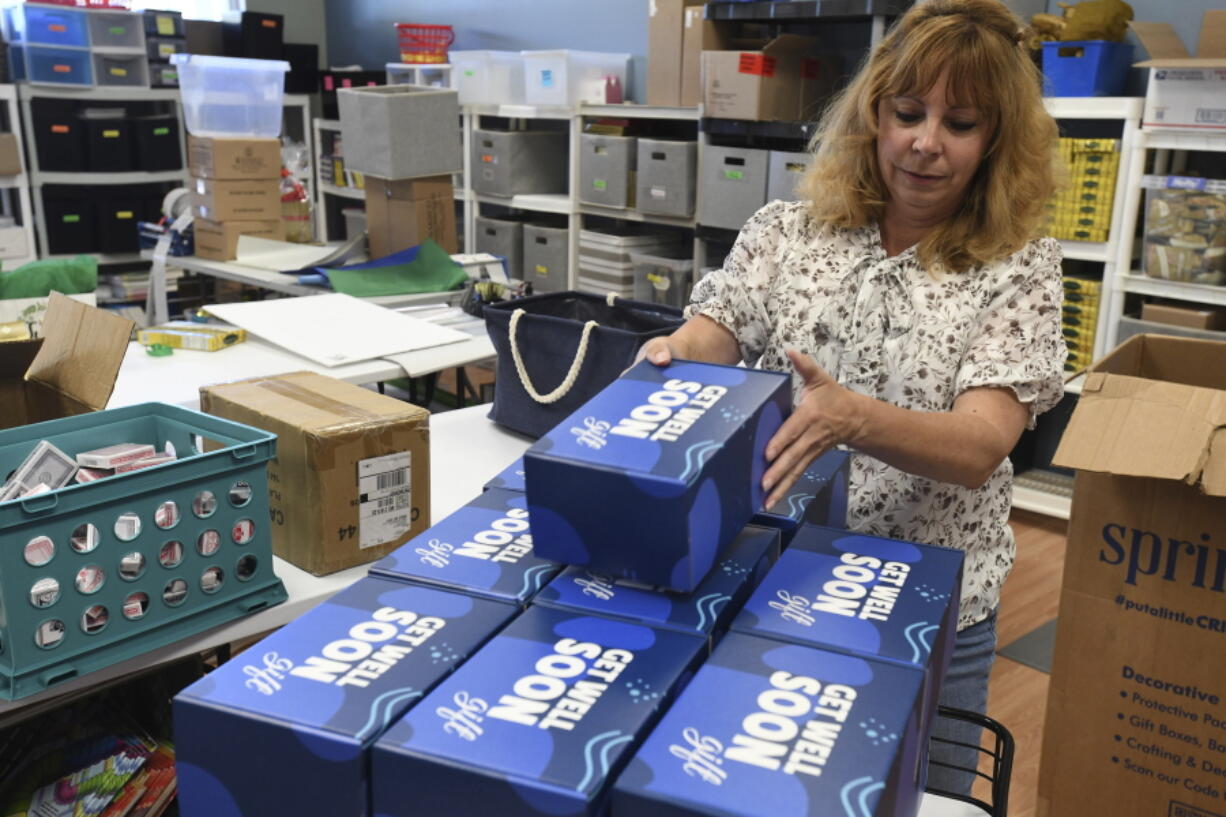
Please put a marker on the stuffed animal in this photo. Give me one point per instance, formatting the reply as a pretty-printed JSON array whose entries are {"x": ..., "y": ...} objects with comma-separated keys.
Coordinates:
[{"x": 1088, "y": 20}]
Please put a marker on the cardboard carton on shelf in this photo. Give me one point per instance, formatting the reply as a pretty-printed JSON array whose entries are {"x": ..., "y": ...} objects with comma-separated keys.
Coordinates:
[
  {"x": 699, "y": 35},
  {"x": 402, "y": 213},
  {"x": 1185, "y": 92},
  {"x": 236, "y": 199},
  {"x": 216, "y": 158},
  {"x": 218, "y": 240},
  {"x": 783, "y": 81},
  {"x": 665, "y": 49},
  {"x": 1136, "y": 705},
  {"x": 10, "y": 156},
  {"x": 351, "y": 480},
  {"x": 1192, "y": 317}
]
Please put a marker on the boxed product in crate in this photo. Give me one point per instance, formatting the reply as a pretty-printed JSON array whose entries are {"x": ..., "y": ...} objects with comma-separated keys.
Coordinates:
[
  {"x": 101, "y": 571},
  {"x": 864, "y": 595},
  {"x": 539, "y": 721},
  {"x": 705, "y": 611},
  {"x": 650, "y": 478},
  {"x": 351, "y": 481},
  {"x": 286, "y": 727},
  {"x": 1185, "y": 229},
  {"x": 484, "y": 548},
  {"x": 768, "y": 729},
  {"x": 819, "y": 497}
]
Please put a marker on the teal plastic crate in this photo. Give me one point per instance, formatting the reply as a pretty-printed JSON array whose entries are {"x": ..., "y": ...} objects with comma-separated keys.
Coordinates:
[{"x": 77, "y": 594}]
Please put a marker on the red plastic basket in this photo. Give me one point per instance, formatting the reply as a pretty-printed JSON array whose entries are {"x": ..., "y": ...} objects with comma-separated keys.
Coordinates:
[{"x": 424, "y": 43}]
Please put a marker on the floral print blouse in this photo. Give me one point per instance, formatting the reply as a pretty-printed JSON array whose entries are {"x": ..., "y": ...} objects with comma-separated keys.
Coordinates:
[{"x": 889, "y": 329}]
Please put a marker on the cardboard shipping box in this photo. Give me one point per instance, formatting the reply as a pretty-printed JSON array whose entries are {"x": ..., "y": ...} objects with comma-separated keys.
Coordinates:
[
  {"x": 236, "y": 199},
  {"x": 1191, "y": 317},
  {"x": 665, "y": 51},
  {"x": 1185, "y": 92},
  {"x": 10, "y": 156},
  {"x": 70, "y": 370},
  {"x": 699, "y": 35},
  {"x": 1136, "y": 712},
  {"x": 218, "y": 240},
  {"x": 213, "y": 158},
  {"x": 782, "y": 81},
  {"x": 351, "y": 480},
  {"x": 402, "y": 213}
]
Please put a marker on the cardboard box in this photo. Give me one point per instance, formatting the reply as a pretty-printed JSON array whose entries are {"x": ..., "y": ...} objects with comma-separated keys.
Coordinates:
[
  {"x": 286, "y": 727},
  {"x": 705, "y": 611},
  {"x": 699, "y": 35},
  {"x": 1185, "y": 92},
  {"x": 653, "y": 476},
  {"x": 405, "y": 212},
  {"x": 819, "y": 497},
  {"x": 218, "y": 240},
  {"x": 782, "y": 81},
  {"x": 665, "y": 50},
  {"x": 215, "y": 158},
  {"x": 1191, "y": 317},
  {"x": 510, "y": 478},
  {"x": 537, "y": 722},
  {"x": 10, "y": 156},
  {"x": 236, "y": 200},
  {"x": 351, "y": 480},
  {"x": 70, "y": 370},
  {"x": 765, "y": 730},
  {"x": 484, "y": 549},
  {"x": 1136, "y": 712}
]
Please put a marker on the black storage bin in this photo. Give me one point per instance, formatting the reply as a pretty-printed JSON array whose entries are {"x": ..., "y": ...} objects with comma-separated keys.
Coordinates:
[
  {"x": 161, "y": 49},
  {"x": 59, "y": 137},
  {"x": 70, "y": 226},
  {"x": 160, "y": 23},
  {"x": 330, "y": 81},
  {"x": 205, "y": 37},
  {"x": 163, "y": 74},
  {"x": 115, "y": 219},
  {"x": 256, "y": 36},
  {"x": 303, "y": 76},
  {"x": 108, "y": 144},
  {"x": 157, "y": 142}
]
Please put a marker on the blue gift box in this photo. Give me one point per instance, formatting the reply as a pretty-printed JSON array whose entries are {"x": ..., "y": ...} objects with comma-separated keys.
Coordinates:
[
  {"x": 654, "y": 475},
  {"x": 285, "y": 727},
  {"x": 768, "y": 729},
  {"x": 845, "y": 591},
  {"x": 510, "y": 478},
  {"x": 819, "y": 497},
  {"x": 538, "y": 722},
  {"x": 706, "y": 611},
  {"x": 484, "y": 548}
]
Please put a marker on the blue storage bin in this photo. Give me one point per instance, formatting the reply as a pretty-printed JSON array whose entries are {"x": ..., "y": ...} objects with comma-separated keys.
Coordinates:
[
  {"x": 96, "y": 573},
  {"x": 1085, "y": 68},
  {"x": 60, "y": 66},
  {"x": 17, "y": 62},
  {"x": 47, "y": 25}
]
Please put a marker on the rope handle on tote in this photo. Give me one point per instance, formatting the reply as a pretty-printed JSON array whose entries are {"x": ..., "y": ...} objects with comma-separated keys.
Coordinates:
[{"x": 575, "y": 365}]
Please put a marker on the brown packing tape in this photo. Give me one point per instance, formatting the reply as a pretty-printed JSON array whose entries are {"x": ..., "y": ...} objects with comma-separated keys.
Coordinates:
[{"x": 295, "y": 392}]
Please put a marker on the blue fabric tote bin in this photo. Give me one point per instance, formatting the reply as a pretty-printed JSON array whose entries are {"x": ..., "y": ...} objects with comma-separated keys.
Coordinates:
[
  {"x": 99, "y": 572},
  {"x": 1085, "y": 68}
]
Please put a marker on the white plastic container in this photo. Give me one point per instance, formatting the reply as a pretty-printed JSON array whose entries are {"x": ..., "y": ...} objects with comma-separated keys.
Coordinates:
[
  {"x": 427, "y": 74},
  {"x": 228, "y": 96},
  {"x": 488, "y": 77},
  {"x": 571, "y": 77}
]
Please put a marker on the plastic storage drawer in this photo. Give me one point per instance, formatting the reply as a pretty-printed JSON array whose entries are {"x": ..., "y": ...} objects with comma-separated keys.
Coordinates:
[
  {"x": 606, "y": 169},
  {"x": 667, "y": 171},
  {"x": 70, "y": 230},
  {"x": 502, "y": 237},
  {"x": 164, "y": 552},
  {"x": 546, "y": 257},
  {"x": 160, "y": 48},
  {"x": 733, "y": 185},
  {"x": 108, "y": 144},
  {"x": 30, "y": 23},
  {"x": 116, "y": 29},
  {"x": 58, "y": 66},
  {"x": 571, "y": 77},
  {"x": 121, "y": 69},
  {"x": 507, "y": 163},
  {"x": 157, "y": 142},
  {"x": 659, "y": 279},
  {"x": 116, "y": 224}
]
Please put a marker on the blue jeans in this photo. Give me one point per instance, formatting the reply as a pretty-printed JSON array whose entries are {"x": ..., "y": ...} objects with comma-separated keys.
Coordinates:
[{"x": 965, "y": 687}]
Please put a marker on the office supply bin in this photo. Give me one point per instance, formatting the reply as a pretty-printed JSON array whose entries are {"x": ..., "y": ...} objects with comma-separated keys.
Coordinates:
[
  {"x": 1085, "y": 68},
  {"x": 489, "y": 77},
  {"x": 99, "y": 572},
  {"x": 47, "y": 25},
  {"x": 116, "y": 29},
  {"x": 55, "y": 66},
  {"x": 231, "y": 97},
  {"x": 567, "y": 77},
  {"x": 121, "y": 69}
]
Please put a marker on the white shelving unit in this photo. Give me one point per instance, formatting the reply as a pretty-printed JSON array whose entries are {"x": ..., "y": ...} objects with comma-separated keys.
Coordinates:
[{"x": 15, "y": 190}]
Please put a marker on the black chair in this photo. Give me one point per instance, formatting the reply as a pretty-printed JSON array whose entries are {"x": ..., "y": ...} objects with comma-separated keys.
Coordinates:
[{"x": 1000, "y": 751}]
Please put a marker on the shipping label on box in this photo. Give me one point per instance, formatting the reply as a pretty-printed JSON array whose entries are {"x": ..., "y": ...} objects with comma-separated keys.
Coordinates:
[
  {"x": 537, "y": 722},
  {"x": 216, "y": 158},
  {"x": 241, "y": 200},
  {"x": 819, "y": 497},
  {"x": 510, "y": 478},
  {"x": 284, "y": 728},
  {"x": 768, "y": 729},
  {"x": 706, "y": 610},
  {"x": 1136, "y": 711},
  {"x": 652, "y": 476},
  {"x": 484, "y": 548}
]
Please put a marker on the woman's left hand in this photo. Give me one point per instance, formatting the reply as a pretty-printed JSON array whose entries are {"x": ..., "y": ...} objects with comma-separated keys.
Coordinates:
[{"x": 826, "y": 415}]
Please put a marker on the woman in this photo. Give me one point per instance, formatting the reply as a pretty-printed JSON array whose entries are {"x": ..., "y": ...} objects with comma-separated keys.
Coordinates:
[{"x": 914, "y": 303}]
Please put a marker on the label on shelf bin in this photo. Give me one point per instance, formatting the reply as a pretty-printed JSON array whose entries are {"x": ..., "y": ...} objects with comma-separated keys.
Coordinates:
[
  {"x": 124, "y": 214},
  {"x": 546, "y": 78},
  {"x": 166, "y": 25},
  {"x": 62, "y": 69},
  {"x": 734, "y": 175},
  {"x": 161, "y": 131},
  {"x": 60, "y": 128},
  {"x": 541, "y": 269},
  {"x": 600, "y": 184},
  {"x": 119, "y": 72},
  {"x": 659, "y": 193},
  {"x": 110, "y": 134},
  {"x": 58, "y": 28},
  {"x": 70, "y": 219},
  {"x": 268, "y": 23},
  {"x": 118, "y": 31}
]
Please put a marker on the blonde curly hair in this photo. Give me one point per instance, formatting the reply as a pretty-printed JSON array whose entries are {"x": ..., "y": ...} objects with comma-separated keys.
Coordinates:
[{"x": 977, "y": 44}]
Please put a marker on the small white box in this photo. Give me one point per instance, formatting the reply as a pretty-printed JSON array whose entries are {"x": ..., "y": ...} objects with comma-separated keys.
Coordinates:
[{"x": 571, "y": 77}]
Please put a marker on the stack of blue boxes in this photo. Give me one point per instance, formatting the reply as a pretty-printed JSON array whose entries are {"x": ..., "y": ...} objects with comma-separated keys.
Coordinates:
[{"x": 584, "y": 602}]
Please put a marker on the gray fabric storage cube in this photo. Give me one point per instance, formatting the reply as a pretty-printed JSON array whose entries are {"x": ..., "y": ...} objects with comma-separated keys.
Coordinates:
[
  {"x": 507, "y": 163},
  {"x": 667, "y": 171},
  {"x": 660, "y": 279},
  {"x": 733, "y": 185},
  {"x": 503, "y": 237},
  {"x": 606, "y": 167},
  {"x": 786, "y": 170},
  {"x": 400, "y": 131},
  {"x": 546, "y": 257}
]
